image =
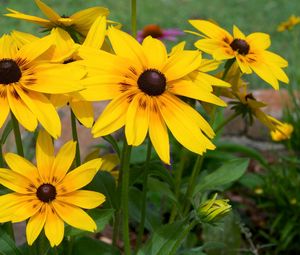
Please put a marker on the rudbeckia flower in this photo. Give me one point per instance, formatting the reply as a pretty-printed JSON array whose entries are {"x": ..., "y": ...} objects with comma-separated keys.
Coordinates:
[
  {"x": 289, "y": 24},
  {"x": 282, "y": 132},
  {"x": 25, "y": 75},
  {"x": 80, "y": 21},
  {"x": 144, "y": 84},
  {"x": 250, "y": 51},
  {"x": 169, "y": 34},
  {"x": 48, "y": 194}
]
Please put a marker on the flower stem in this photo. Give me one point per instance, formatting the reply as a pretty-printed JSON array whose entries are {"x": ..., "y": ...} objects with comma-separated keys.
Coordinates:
[
  {"x": 125, "y": 163},
  {"x": 1, "y": 156},
  {"x": 17, "y": 135},
  {"x": 192, "y": 183},
  {"x": 144, "y": 196},
  {"x": 133, "y": 18},
  {"x": 75, "y": 138},
  {"x": 178, "y": 175},
  {"x": 226, "y": 121}
]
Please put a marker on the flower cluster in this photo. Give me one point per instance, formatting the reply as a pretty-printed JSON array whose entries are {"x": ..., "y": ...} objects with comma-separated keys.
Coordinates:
[{"x": 86, "y": 58}]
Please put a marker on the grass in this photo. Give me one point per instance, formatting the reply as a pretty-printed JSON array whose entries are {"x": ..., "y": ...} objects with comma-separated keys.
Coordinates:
[{"x": 249, "y": 16}]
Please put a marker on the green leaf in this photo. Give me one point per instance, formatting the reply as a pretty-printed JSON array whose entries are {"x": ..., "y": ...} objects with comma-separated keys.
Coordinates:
[
  {"x": 163, "y": 188},
  {"x": 165, "y": 239},
  {"x": 89, "y": 246},
  {"x": 100, "y": 216},
  {"x": 230, "y": 171},
  {"x": 7, "y": 245},
  {"x": 8, "y": 128}
]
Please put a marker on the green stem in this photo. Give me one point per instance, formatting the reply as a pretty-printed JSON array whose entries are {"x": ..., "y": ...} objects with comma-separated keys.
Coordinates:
[
  {"x": 178, "y": 175},
  {"x": 116, "y": 227},
  {"x": 125, "y": 163},
  {"x": 17, "y": 134},
  {"x": 144, "y": 196},
  {"x": 75, "y": 138},
  {"x": 226, "y": 121},
  {"x": 1, "y": 156},
  {"x": 192, "y": 183},
  {"x": 133, "y": 18}
]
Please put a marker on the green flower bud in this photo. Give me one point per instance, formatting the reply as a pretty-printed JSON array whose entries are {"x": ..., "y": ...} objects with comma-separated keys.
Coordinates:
[{"x": 213, "y": 209}]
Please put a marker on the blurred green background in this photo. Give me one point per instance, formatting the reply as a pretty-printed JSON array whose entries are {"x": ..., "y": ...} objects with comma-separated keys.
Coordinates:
[{"x": 249, "y": 15}]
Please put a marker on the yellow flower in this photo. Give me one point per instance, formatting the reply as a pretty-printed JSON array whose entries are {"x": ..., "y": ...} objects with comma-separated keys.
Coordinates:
[
  {"x": 47, "y": 193},
  {"x": 214, "y": 209},
  {"x": 80, "y": 21},
  {"x": 288, "y": 24},
  {"x": 143, "y": 83},
  {"x": 282, "y": 132},
  {"x": 25, "y": 75},
  {"x": 249, "y": 51}
]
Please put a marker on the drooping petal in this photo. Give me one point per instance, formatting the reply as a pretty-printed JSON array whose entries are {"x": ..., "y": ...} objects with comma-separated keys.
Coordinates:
[
  {"x": 49, "y": 12},
  {"x": 137, "y": 119},
  {"x": 180, "y": 64},
  {"x": 74, "y": 216},
  {"x": 126, "y": 46},
  {"x": 155, "y": 52},
  {"x": 44, "y": 155},
  {"x": 83, "y": 111},
  {"x": 36, "y": 224},
  {"x": 4, "y": 110},
  {"x": 79, "y": 177},
  {"x": 113, "y": 117},
  {"x": 43, "y": 110},
  {"x": 159, "y": 134},
  {"x": 24, "y": 115},
  {"x": 22, "y": 166},
  {"x": 54, "y": 227},
  {"x": 83, "y": 198},
  {"x": 63, "y": 161}
]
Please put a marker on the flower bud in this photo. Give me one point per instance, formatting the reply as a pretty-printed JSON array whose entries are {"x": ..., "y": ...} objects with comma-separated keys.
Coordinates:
[{"x": 214, "y": 209}]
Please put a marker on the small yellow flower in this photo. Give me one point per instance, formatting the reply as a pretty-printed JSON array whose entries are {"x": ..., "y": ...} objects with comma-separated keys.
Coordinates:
[
  {"x": 214, "y": 209},
  {"x": 80, "y": 21},
  {"x": 282, "y": 132},
  {"x": 48, "y": 194},
  {"x": 250, "y": 51},
  {"x": 258, "y": 191},
  {"x": 288, "y": 24}
]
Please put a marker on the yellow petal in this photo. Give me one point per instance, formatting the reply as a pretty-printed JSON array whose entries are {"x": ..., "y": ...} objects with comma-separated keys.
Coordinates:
[
  {"x": 22, "y": 166},
  {"x": 96, "y": 34},
  {"x": 126, "y": 46},
  {"x": 189, "y": 89},
  {"x": 258, "y": 41},
  {"x": 113, "y": 117},
  {"x": 209, "y": 65},
  {"x": 44, "y": 155},
  {"x": 36, "y": 224},
  {"x": 272, "y": 57},
  {"x": 74, "y": 216},
  {"x": 180, "y": 64},
  {"x": 63, "y": 161},
  {"x": 22, "y": 38},
  {"x": 179, "y": 47},
  {"x": 79, "y": 177},
  {"x": 83, "y": 111},
  {"x": 59, "y": 100},
  {"x": 210, "y": 29},
  {"x": 155, "y": 52},
  {"x": 49, "y": 12},
  {"x": 8, "y": 48},
  {"x": 26, "y": 209},
  {"x": 209, "y": 79},
  {"x": 159, "y": 134},
  {"x": 137, "y": 119},
  {"x": 237, "y": 33},
  {"x": 33, "y": 19},
  {"x": 208, "y": 45},
  {"x": 83, "y": 198},
  {"x": 183, "y": 127},
  {"x": 43, "y": 110},
  {"x": 20, "y": 110},
  {"x": 54, "y": 227},
  {"x": 278, "y": 73},
  {"x": 4, "y": 109},
  {"x": 243, "y": 65}
]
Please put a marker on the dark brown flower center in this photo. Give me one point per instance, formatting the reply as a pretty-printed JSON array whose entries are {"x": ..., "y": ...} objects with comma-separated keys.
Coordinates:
[
  {"x": 152, "y": 82},
  {"x": 46, "y": 193},
  {"x": 9, "y": 71},
  {"x": 153, "y": 30},
  {"x": 240, "y": 45}
]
